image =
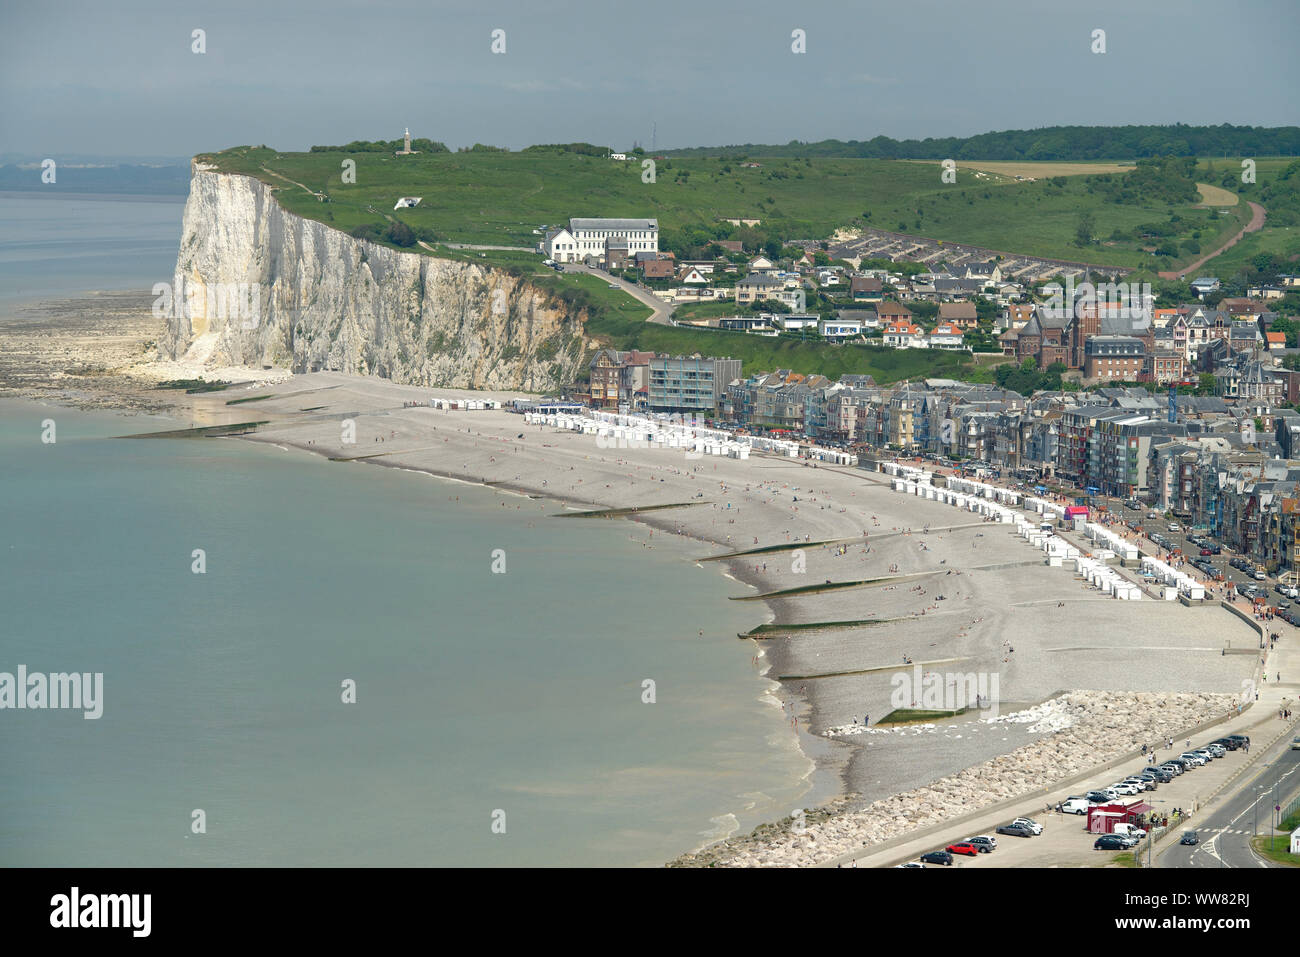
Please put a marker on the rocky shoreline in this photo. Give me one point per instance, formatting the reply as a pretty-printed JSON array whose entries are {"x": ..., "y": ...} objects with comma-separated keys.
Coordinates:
[{"x": 1093, "y": 728}]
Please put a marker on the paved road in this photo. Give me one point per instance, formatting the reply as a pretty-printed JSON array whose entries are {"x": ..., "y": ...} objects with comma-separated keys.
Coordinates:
[
  {"x": 513, "y": 249},
  {"x": 662, "y": 311},
  {"x": 1225, "y": 834}
]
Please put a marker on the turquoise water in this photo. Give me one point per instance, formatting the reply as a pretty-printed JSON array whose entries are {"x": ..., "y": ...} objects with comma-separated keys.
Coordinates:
[
  {"x": 60, "y": 244},
  {"x": 476, "y": 692}
]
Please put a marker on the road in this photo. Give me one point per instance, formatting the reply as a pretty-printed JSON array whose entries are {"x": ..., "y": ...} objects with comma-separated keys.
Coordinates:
[
  {"x": 661, "y": 311},
  {"x": 1256, "y": 223},
  {"x": 1225, "y": 833}
]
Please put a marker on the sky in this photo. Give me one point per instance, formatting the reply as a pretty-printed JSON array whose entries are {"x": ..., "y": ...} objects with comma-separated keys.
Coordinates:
[{"x": 122, "y": 79}]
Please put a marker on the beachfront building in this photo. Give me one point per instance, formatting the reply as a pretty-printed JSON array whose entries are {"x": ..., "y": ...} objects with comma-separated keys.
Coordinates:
[
  {"x": 586, "y": 239},
  {"x": 690, "y": 383},
  {"x": 616, "y": 377}
]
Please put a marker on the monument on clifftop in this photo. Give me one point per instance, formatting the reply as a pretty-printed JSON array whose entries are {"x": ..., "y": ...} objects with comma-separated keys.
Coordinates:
[{"x": 406, "y": 144}]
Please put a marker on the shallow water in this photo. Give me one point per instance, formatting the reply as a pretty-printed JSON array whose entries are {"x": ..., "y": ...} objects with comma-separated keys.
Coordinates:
[{"x": 476, "y": 692}]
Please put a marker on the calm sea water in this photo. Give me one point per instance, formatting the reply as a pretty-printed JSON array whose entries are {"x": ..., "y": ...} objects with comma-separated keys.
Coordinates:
[
  {"x": 476, "y": 692},
  {"x": 60, "y": 244}
]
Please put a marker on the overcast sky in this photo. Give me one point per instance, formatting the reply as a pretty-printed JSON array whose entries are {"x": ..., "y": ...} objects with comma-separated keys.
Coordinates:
[{"x": 119, "y": 78}]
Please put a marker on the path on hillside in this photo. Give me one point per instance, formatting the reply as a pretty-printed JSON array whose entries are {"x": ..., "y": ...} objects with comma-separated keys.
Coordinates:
[
  {"x": 294, "y": 181},
  {"x": 661, "y": 312},
  {"x": 1256, "y": 223},
  {"x": 510, "y": 249}
]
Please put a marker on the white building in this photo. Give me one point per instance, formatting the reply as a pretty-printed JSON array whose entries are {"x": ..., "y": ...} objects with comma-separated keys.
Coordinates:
[
  {"x": 589, "y": 237},
  {"x": 837, "y": 330}
]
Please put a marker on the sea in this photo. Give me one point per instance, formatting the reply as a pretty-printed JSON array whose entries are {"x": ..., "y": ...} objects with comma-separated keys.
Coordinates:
[{"x": 325, "y": 664}]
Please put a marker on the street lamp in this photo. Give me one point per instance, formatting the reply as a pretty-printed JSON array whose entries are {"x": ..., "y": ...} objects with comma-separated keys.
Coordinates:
[{"x": 1151, "y": 833}]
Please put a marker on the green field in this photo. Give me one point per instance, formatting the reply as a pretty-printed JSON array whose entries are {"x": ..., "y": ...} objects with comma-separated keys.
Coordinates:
[
  {"x": 505, "y": 199},
  {"x": 500, "y": 198}
]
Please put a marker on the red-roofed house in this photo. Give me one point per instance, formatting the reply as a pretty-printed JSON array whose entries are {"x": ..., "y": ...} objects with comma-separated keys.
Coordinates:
[
  {"x": 902, "y": 334},
  {"x": 1276, "y": 341},
  {"x": 946, "y": 336}
]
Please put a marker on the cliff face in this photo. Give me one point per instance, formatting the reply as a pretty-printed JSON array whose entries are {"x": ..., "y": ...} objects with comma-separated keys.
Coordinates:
[{"x": 257, "y": 286}]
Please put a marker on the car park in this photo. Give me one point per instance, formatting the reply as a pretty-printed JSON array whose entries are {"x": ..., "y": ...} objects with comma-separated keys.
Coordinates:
[
  {"x": 937, "y": 857},
  {"x": 969, "y": 850},
  {"x": 1110, "y": 842},
  {"x": 1015, "y": 830},
  {"x": 1030, "y": 823}
]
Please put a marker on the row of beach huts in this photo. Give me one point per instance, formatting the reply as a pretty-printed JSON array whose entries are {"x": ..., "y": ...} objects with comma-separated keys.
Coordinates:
[
  {"x": 998, "y": 504},
  {"x": 623, "y": 430}
]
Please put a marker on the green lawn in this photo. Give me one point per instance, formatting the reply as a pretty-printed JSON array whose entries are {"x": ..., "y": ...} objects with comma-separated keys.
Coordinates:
[{"x": 501, "y": 198}]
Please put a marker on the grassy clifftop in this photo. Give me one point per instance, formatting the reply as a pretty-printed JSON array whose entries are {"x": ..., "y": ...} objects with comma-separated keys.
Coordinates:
[{"x": 500, "y": 198}]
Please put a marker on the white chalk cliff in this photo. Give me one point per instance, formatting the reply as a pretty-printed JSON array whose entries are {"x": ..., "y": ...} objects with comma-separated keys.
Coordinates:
[{"x": 327, "y": 301}]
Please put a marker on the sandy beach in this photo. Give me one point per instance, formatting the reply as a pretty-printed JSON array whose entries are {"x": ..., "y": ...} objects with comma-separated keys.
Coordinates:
[
  {"x": 920, "y": 581},
  {"x": 1003, "y": 612}
]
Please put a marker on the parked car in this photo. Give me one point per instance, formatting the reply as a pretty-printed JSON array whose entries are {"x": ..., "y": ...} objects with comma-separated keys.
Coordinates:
[
  {"x": 1142, "y": 784},
  {"x": 1015, "y": 830},
  {"x": 1123, "y": 787},
  {"x": 1240, "y": 738},
  {"x": 969, "y": 850},
  {"x": 1074, "y": 805},
  {"x": 1194, "y": 759},
  {"x": 983, "y": 841},
  {"x": 1110, "y": 842},
  {"x": 1101, "y": 797},
  {"x": 1030, "y": 823},
  {"x": 1228, "y": 743},
  {"x": 1173, "y": 768},
  {"x": 1190, "y": 837},
  {"x": 1216, "y": 749},
  {"x": 911, "y": 864},
  {"x": 1130, "y": 830},
  {"x": 937, "y": 857}
]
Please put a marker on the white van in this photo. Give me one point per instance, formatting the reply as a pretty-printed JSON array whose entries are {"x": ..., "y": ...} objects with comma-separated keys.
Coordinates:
[
  {"x": 1129, "y": 830},
  {"x": 1074, "y": 805}
]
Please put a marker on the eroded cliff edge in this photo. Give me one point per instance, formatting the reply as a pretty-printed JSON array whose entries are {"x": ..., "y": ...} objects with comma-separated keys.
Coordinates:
[{"x": 323, "y": 300}]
